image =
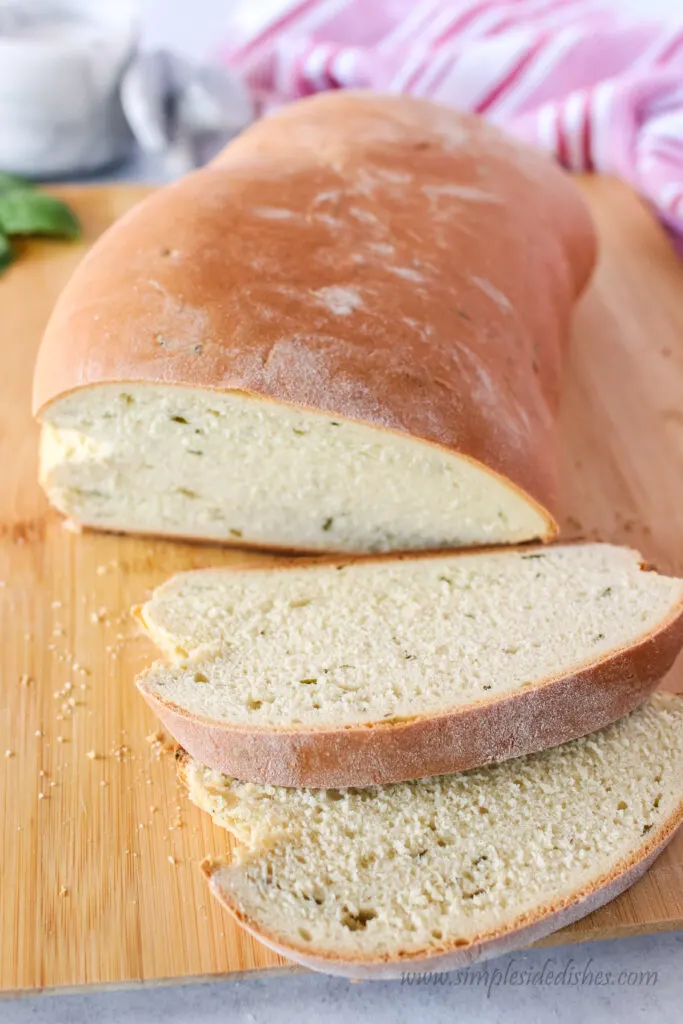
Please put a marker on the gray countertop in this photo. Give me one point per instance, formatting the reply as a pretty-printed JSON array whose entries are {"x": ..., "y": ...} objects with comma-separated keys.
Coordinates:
[{"x": 632, "y": 980}]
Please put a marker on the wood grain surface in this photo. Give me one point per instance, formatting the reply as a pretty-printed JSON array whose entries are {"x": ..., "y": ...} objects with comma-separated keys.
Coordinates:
[{"x": 98, "y": 848}]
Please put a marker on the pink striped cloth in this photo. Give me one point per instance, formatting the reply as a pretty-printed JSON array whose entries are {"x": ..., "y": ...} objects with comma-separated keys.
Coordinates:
[{"x": 599, "y": 88}]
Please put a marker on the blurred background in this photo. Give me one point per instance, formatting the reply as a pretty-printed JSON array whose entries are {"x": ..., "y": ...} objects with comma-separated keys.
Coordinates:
[
  {"x": 193, "y": 28},
  {"x": 149, "y": 89}
]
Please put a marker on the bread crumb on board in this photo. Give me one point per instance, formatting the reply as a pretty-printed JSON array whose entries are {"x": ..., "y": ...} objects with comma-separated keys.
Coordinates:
[{"x": 161, "y": 743}]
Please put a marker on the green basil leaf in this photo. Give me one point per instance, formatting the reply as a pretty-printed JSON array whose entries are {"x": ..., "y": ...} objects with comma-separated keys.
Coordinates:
[
  {"x": 25, "y": 212},
  {"x": 9, "y": 182},
  {"x": 6, "y": 253}
]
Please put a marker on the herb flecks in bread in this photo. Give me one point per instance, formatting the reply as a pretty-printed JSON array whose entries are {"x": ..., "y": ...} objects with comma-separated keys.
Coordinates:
[
  {"x": 395, "y": 668},
  {"x": 445, "y": 871}
]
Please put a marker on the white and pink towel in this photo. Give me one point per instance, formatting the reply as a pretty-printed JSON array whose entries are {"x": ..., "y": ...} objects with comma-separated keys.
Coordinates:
[{"x": 600, "y": 88}]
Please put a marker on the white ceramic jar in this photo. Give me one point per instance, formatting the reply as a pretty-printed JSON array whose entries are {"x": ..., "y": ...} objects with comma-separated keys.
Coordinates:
[{"x": 61, "y": 65}]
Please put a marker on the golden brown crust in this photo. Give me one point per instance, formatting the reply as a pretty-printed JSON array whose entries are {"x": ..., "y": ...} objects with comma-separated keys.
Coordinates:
[
  {"x": 522, "y": 932},
  {"x": 552, "y": 712},
  {"x": 459, "y": 255}
]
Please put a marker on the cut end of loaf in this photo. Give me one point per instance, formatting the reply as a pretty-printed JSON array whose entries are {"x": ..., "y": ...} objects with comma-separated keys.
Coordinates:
[
  {"x": 233, "y": 468},
  {"x": 471, "y": 864}
]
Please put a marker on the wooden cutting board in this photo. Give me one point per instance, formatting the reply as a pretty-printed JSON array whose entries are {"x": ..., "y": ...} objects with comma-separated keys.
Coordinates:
[{"x": 98, "y": 848}]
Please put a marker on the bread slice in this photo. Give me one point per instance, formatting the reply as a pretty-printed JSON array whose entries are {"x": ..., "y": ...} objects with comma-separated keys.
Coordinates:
[
  {"x": 389, "y": 669},
  {"x": 344, "y": 334},
  {"x": 443, "y": 872}
]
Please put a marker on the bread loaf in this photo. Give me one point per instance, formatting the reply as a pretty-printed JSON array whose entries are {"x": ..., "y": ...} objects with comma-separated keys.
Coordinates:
[
  {"x": 397, "y": 668},
  {"x": 440, "y": 873},
  {"x": 343, "y": 334}
]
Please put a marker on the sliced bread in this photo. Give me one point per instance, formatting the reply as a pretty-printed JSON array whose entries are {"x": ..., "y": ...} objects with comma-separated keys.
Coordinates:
[
  {"x": 398, "y": 668},
  {"x": 344, "y": 334},
  {"x": 443, "y": 872}
]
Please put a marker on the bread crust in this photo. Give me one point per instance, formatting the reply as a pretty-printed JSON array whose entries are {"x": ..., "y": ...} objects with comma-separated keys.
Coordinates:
[
  {"x": 553, "y": 711},
  {"x": 521, "y": 932},
  {"x": 451, "y": 338}
]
